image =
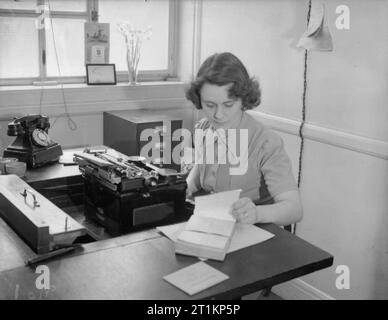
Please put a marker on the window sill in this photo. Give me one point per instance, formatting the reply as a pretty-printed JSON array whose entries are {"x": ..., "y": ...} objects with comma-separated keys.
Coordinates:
[
  {"x": 83, "y": 98},
  {"x": 84, "y": 86}
]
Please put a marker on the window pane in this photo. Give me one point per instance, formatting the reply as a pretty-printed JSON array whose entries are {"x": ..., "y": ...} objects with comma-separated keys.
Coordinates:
[
  {"x": 69, "y": 42},
  {"x": 19, "y": 52},
  {"x": 140, "y": 13},
  {"x": 23, "y": 4},
  {"x": 68, "y": 5}
]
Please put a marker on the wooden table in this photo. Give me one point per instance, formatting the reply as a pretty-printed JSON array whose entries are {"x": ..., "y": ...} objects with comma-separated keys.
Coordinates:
[{"x": 132, "y": 267}]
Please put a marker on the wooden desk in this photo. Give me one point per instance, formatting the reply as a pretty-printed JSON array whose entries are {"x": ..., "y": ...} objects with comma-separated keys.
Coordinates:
[
  {"x": 132, "y": 267},
  {"x": 13, "y": 250},
  {"x": 61, "y": 184},
  {"x": 55, "y": 172}
]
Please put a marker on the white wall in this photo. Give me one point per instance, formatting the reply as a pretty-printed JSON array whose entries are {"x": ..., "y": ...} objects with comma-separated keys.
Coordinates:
[
  {"x": 86, "y": 105},
  {"x": 349, "y": 86},
  {"x": 345, "y": 169}
]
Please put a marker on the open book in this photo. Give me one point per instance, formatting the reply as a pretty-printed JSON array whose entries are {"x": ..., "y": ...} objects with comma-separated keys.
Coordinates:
[{"x": 209, "y": 231}]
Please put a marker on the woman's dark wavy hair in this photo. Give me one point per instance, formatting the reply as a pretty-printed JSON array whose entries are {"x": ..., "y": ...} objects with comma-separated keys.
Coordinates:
[{"x": 221, "y": 69}]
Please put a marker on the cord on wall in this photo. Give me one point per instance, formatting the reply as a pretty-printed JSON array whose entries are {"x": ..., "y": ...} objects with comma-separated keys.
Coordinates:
[
  {"x": 303, "y": 113},
  {"x": 70, "y": 122}
]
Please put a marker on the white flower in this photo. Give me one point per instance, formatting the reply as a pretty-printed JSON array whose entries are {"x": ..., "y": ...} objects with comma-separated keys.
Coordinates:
[{"x": 133, "y": 38}]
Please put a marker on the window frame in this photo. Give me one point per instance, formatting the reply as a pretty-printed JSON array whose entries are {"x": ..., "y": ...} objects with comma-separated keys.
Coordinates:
[{"x": 90, "y": 15}]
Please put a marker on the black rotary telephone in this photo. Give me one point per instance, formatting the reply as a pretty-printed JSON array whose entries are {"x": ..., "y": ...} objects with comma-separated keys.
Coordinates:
[{"x": 33, "y": 144}]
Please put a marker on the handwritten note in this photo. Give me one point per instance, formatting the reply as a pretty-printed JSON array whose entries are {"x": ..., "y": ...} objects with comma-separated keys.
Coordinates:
[{"x": 196, "y": 278}]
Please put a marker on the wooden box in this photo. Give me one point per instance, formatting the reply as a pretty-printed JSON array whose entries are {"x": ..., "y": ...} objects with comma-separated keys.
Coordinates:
[{"x": 40, "y": 223}]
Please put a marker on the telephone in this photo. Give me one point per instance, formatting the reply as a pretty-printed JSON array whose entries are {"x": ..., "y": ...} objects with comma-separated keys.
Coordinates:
[{"x": 33, "y": 144}]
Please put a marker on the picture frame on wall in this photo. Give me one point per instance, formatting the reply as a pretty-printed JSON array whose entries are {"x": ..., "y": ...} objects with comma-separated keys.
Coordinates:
[
  {"x": 101, "y": 74},
  {"x": 97, "y": 41}
]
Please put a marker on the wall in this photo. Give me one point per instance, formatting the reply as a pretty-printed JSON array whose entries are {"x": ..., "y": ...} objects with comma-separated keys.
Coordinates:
[
  {"x": 348, "y": 93},
  {"x": 345, "y": 169},
  {"x": 86, "y": 106}
]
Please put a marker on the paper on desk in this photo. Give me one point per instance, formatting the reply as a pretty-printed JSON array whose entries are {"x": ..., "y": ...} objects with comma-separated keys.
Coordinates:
[
  {"x": 245, "y": 235},
  {"x": 203, "y": 239},
  {"x": 217, "y": 205},
  {"x": 210, "y": 225},
  {"x": 196, "y": 278},
  {"x": 67, "y": 157}
]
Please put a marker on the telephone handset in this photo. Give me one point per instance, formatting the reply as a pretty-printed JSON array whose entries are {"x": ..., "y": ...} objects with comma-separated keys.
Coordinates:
[
  {"x": 35, "y": 125},
  {"x": 33, "y": 144}
]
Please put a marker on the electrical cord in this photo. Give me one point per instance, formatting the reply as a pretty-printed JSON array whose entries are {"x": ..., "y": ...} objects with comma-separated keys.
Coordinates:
[
  {"x": 41, "y": 97},
  {"x": 303, "y": 113},
  {"x": 70, "y": 122}
]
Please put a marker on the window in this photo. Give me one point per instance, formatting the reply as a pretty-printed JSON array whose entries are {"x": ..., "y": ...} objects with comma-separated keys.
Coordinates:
[{"x": 43, "y": 40}]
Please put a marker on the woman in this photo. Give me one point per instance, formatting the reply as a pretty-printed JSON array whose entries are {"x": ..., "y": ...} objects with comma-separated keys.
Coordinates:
[{"x": 224, "y": 91}]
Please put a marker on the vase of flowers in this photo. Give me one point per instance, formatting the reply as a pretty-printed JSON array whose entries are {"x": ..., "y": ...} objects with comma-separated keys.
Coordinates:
[{"x": 133, "y": 40}]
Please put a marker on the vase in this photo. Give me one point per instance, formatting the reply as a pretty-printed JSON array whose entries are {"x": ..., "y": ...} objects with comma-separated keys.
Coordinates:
[
  {"x": 132, "y": 70},
  {"x": 132, "y": 75}
]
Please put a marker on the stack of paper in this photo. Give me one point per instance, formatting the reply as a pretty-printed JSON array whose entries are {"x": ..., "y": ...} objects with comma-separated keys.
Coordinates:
[
  {"x": 209, "y": 231},
  {"x": 244, "y": 235}
]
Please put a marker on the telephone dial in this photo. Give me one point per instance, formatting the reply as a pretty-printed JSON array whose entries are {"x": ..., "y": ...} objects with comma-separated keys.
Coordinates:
[{"x": 32, "y": 144}]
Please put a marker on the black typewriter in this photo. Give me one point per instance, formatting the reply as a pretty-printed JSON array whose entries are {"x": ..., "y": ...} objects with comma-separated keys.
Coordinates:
[{"x": 125, "y": 194}]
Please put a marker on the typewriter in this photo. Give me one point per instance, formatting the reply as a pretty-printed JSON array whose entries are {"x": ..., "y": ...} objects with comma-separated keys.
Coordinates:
[{"x": 125, "y": 194}]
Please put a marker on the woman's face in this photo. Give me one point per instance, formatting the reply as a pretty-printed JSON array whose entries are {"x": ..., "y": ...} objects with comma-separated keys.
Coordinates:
[{"x": 223, "y": 111}]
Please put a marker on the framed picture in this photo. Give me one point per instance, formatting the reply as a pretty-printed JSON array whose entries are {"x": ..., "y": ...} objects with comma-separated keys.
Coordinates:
[{"x": 100, "y": 74}]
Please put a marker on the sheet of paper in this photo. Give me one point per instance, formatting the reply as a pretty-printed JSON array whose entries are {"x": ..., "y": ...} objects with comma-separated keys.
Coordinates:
[
  {"x": 321, "y": 42},
  {"x": 316, "y": 19},
  {"x": 317, "y": 37},
  {"x": 98, "y": 54},
  {"x": 210, "y": 225},
  {"x": 245, "y": 235},
  {"x": 196, "y": 278},
  {"x": 172, "y": 231},
  {"x": 217, "y": 205},
  {"x": 67, "y": 157},
  {"x": 203, "y": 239}
]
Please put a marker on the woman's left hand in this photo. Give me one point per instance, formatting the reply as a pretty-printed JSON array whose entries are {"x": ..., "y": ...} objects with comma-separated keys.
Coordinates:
[{"x": 245, "y": 211}]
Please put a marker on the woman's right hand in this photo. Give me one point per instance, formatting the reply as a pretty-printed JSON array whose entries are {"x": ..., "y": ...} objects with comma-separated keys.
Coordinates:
[{"x": 189, "y": 196}]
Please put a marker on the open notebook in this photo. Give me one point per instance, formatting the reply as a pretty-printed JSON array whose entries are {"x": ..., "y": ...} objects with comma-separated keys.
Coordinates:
[{"x": 209, "y": 231}]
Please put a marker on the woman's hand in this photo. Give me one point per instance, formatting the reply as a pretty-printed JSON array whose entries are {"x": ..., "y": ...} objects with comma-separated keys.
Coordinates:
[
  {"x": 245, "y": 211},
  {"x": 189, "y": 196},
  {"x": 286, "y": 210}
]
